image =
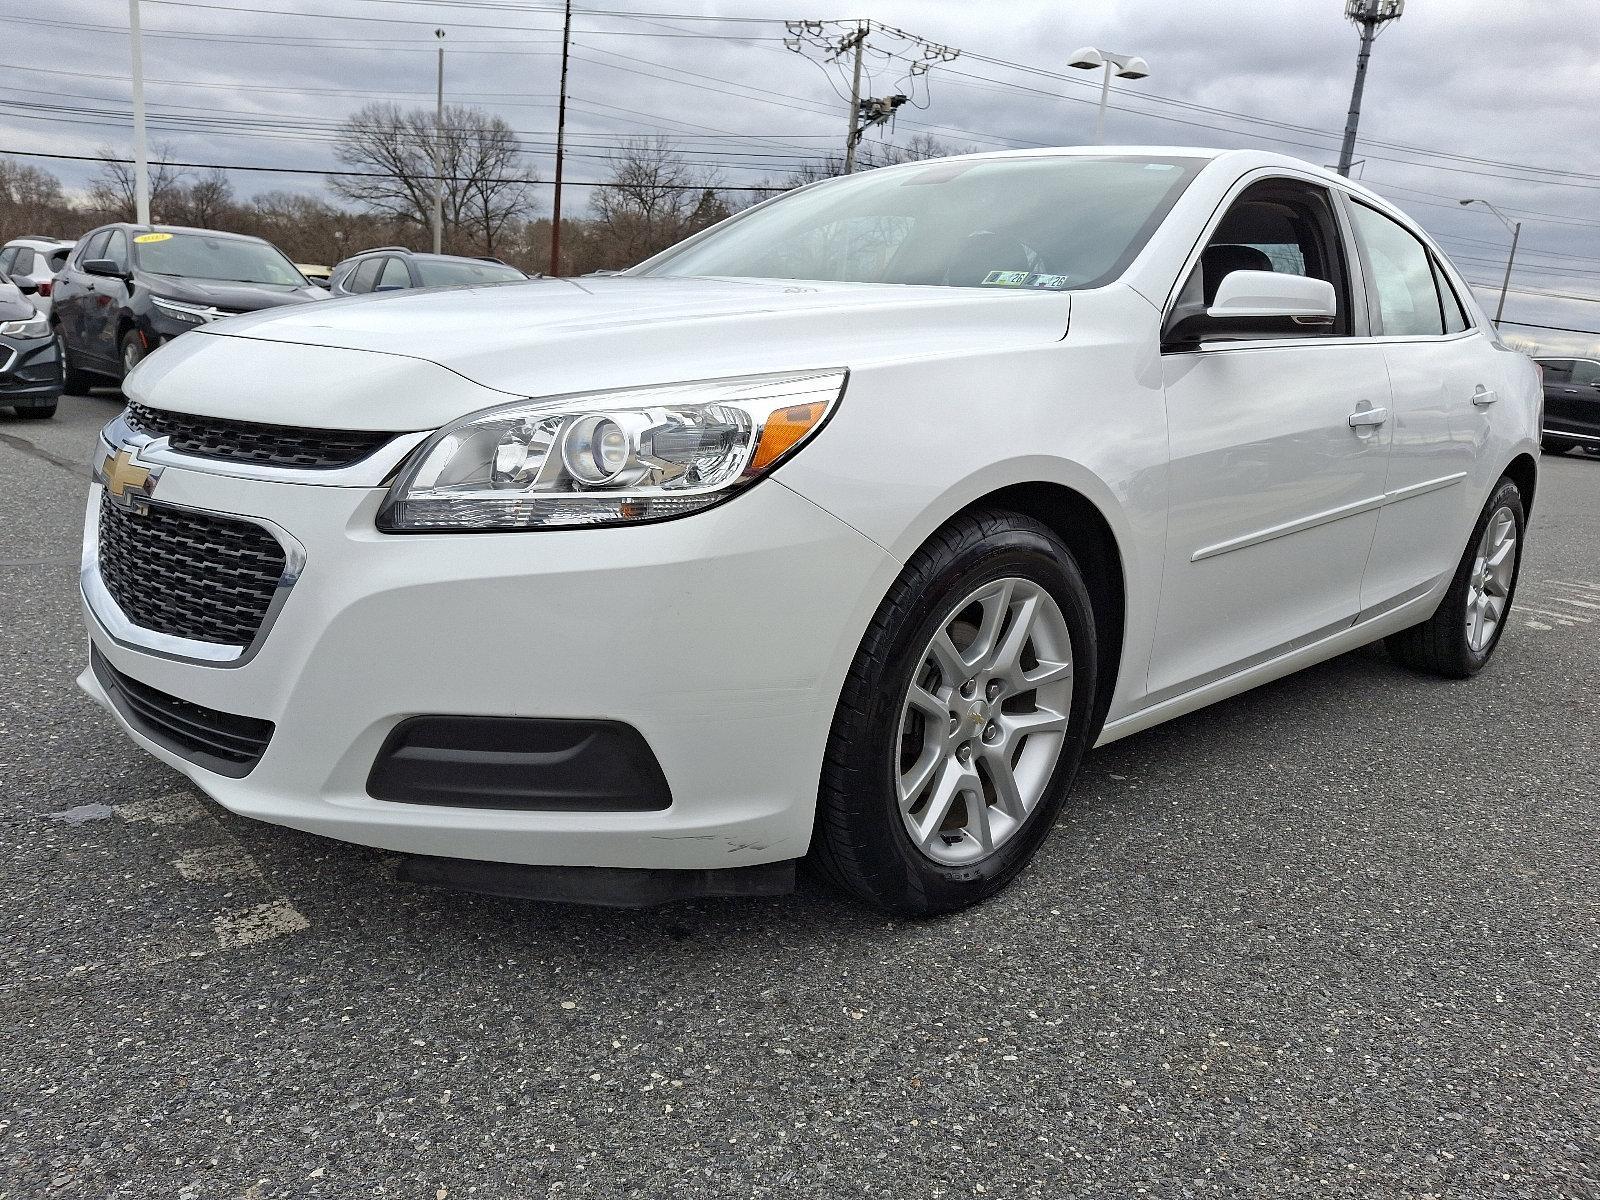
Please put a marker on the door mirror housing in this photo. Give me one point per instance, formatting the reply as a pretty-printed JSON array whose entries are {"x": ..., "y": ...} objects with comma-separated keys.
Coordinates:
[
  {"x": 26, "y": 286},
  {"x": 1253, "y": 304},
  {"x": 107, "y": 268}
]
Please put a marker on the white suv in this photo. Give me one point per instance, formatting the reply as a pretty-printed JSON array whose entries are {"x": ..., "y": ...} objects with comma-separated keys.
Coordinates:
[
  {"x": 35, "y": 261},
  {"x": 841, "y": 530}
]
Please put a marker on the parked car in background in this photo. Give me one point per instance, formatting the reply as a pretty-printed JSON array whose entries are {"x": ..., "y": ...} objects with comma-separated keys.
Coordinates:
[
  {"x": 30, "y": 372},
  {"x": 315, "y": 272},
  {"x": 394, "y": 268},
  {"x": 127, "y": 289},
  {"x": 1571, "y": 404},
  {"x": 38, "y": 260},
  {"x": 843, "y": 528}
]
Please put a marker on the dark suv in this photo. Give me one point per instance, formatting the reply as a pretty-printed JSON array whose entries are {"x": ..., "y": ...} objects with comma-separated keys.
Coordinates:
[
  {"x": 128, "y": 288},
  {"x": 1571, "y": 404},
  {"x": 392, "y": 268},
  {"x": 30, "y": 377}
]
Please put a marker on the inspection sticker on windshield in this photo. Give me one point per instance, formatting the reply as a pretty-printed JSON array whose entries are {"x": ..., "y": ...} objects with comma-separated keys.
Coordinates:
[
  {"x": 153, "y": 237},
  {"x": 1025, "y": 279}
]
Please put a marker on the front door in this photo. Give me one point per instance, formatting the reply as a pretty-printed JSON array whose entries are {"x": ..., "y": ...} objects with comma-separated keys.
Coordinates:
[{"x": 1278, "y": 455}]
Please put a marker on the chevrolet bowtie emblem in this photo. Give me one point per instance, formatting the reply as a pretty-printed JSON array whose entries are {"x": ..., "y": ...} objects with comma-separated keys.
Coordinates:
[{"x": 128, "y": 482}]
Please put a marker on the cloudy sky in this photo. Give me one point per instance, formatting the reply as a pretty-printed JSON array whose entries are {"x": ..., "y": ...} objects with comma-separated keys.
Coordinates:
[{"x": 1493, "y": 99}]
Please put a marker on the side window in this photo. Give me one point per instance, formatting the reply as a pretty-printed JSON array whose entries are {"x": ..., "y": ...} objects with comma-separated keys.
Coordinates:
[
  {"x": 1557, "y": 370},
  {"x": 1283, "y": 226},
  {"x": 1455, "y": 313},
  {"x": 365, "y": 275},
  {"x": 95, "y": 246},
  {"x": 58, "y": 259},
  {"x": 395, "y": 275},
  {"x": 23, "y": 265},
  {"x": 1585, "y": 372},
  {"x": 117, "y": 249},
  {"x": 1402, "y": 274},
  {"x": 7, "y": 257}
]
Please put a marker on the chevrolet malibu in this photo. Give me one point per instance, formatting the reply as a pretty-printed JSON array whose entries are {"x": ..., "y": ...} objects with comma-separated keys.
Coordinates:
[{"x": 838, "y": 532}]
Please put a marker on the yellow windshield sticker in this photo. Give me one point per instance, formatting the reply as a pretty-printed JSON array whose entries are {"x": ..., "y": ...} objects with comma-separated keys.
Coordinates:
[{"x": 152, "y": 237}]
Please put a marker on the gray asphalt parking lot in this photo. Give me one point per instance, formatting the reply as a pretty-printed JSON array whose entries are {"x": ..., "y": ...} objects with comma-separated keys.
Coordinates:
[{"x": 1337, "y": 937}]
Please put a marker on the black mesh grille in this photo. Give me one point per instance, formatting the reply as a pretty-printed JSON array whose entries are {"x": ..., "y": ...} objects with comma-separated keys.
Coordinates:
[
  {"x": 223, "y": 742},
  {"x": 248, "y": 441},
  {"x": 189, "y": 574}
]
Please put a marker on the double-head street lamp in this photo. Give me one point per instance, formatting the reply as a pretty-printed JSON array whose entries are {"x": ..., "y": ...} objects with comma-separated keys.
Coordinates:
[
  {"x": 1126, "y": 66},
  {"x": 1516, "y": 232}
]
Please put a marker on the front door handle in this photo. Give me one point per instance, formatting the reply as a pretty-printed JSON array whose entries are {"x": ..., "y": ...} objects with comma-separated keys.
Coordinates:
[
  {"x": 1483, "y": 397},
  {"x": 1368, "y": 418}
]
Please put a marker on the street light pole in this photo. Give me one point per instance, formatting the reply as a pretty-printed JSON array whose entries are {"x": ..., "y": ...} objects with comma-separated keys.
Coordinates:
[
  {"x": 141, "y": 154},
  {"x": 1125, "y": 66},
  {"x": 438, "y": 152},
  {"x": 1371, "y": 15},
  {"x": 1516, "y": 234}
]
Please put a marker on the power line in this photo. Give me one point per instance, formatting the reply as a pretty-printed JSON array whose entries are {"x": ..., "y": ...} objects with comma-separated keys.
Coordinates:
[{"x": 96, "y": 158}]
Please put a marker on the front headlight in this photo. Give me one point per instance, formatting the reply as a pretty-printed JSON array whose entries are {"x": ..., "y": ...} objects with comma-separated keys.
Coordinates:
[
  {"x": 189, "y": 314},
  {"x": 28, "y": 327},
  {"x": 608, "y": 458}
]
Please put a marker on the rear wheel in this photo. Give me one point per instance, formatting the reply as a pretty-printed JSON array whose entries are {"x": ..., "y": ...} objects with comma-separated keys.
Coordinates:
[
  {"x": 962, "y": 722},
  {"x": 1459, "y": 638}
]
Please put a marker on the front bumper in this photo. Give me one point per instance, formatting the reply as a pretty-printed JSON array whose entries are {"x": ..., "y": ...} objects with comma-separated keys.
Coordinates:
[
  {"x": 722, "y": 638},
  {"x": 30, "y": 371}
]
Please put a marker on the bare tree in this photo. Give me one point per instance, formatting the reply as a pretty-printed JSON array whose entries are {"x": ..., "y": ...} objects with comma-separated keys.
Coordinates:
[
  {"x": 875, "y": 154},
  {"x": 112, "y": 187},
  {"x": 30, "y": 199},
  {"x": 653, "y": 198},
  {"x": 208, "y": 201},
  {"x": 486, "y": 178}
]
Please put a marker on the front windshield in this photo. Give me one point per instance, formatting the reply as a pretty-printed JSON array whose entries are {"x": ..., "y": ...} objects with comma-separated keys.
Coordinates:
[
  {"x": 1049, "y": 222},
  {"x": 200, "y": 256},
  {"x": 441, "y": 272}
]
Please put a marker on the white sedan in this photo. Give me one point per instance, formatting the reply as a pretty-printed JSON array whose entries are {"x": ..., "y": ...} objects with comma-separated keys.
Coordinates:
[{"x": 840, "y": 531}]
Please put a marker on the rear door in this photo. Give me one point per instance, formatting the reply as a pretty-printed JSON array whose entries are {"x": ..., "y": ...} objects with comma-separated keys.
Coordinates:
[
  {"x": 1279, "y": 450},
  {"x": 1446, "y": 377},
  {"x": 1572, "y": 399},
  {"x": 76, "y": 294}
]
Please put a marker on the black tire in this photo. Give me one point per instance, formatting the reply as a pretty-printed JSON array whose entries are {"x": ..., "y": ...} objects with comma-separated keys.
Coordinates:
[
  {"x": 73, "y": 381},
  {"x": 1439, "y": 646},
  {"x": 36, "y": 412},
  {"x": 860, "y": 842},
  {"x": 1593, "y": 451},
  {"x": 131, "y": 352}
]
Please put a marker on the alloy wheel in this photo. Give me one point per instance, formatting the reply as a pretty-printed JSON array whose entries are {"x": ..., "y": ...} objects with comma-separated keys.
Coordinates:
[
  {"x": 984, "y": 720},
  {"x": 1489, "y": 585}
]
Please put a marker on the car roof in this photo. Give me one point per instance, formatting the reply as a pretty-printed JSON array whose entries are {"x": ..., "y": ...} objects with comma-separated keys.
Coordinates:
[
  {"x": 219, "y": 233},
  {"x": 36, "y": 241}
]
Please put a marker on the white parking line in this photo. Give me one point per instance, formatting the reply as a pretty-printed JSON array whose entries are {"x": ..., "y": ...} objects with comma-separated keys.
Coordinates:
[
  {"x": 210, "y": 864},
  {"x": 177, "y": 808},
  {"x": 262, "y": 923}
]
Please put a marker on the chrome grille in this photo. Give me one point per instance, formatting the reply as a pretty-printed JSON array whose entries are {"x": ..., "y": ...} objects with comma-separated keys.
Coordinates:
[
  {"x": 254, "y": 442},
  {"x": 189, "y": 574}
]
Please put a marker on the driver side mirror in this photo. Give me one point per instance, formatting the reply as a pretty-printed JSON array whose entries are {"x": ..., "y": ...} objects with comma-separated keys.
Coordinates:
[
  {"x": 26, "y": 286},
  {"x": 1252, "y": 304},
  {"x": 108, "y": 268}
]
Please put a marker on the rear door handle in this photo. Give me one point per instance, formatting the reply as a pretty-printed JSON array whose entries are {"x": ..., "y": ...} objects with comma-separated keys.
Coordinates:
[
  {"x": 1368, "y": 418},
  {"x": 1483, "y": 397}
]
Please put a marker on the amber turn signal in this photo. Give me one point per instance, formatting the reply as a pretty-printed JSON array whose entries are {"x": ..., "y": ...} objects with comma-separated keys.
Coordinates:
[{"x": 783, "y": 431}]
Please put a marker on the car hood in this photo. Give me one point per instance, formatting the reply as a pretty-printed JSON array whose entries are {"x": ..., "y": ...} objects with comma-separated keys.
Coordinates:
[
  {"x": 227, "y": 295},
  {"x": 553, "y": 336}
]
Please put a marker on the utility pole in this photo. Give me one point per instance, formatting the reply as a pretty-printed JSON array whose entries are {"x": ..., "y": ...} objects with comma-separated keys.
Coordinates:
[
  {"x": 438, "y": 152},
  {"x": 855, "y": 41},
  {"x": 1371, "y": 16},
  {"x": 141, "y": 155},
  {"x": 561, "y": 144}
]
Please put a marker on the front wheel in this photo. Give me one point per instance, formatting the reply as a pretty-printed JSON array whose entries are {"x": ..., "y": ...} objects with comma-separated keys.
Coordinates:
[
  {"x": 133, "y": 352},
  {"x": 73, "y": 381},
  {"x": 36, "y": 412},
  {"x": 1459, "y": 638},
  {"x": 963, "y": 720}
]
